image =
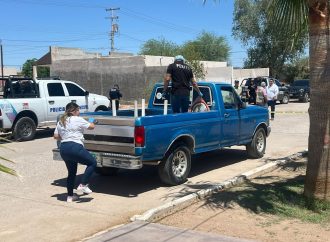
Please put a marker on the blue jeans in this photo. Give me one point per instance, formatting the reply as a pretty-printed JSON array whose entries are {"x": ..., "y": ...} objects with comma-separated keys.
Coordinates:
[
  {"x": 180, "y": 104},
  {"x": 73, "y": 153},
  {"x": 271, "y": 103}
]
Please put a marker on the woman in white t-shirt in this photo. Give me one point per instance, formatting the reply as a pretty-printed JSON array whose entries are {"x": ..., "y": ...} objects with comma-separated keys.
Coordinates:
[{"x": 70, "y": 131}]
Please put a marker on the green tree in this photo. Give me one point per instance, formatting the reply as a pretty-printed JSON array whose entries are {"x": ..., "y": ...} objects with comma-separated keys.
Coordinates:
[
  {"x": 160, "y": 47},
  {"x": 312, "y": 16},
  {"x": 267, "y": 45},
  {"x": 42, "y": 71},
  {"x": 208, "y": 47},
  {"x": 298, "y": 69}
]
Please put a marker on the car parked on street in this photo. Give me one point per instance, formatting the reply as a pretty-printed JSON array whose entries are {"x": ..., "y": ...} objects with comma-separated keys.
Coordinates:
[{"x": 300, "y": 89}]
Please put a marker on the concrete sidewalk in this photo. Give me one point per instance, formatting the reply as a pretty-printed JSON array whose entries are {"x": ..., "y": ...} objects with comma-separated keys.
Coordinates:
[
  {"x": 142, "y": 229},
  {"x": 139, "y": 231}
]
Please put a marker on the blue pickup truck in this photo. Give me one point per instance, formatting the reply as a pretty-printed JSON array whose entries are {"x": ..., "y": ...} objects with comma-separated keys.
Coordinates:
[{"x": 169, "y": 141}]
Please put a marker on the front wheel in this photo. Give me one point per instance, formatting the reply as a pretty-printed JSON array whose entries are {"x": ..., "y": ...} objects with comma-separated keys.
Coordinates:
[
  {"x": 175, "y": 167},
  {"x": 24, "y": 129},
  {"x": 101, "y": 108},
  {"x": 285, "y": 99},
  {"x": 256, "y": 149},
  {"x": 306, "y": 98}
]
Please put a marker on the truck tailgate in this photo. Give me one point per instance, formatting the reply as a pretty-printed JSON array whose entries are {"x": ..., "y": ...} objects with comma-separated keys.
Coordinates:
[{"x": 111, "y": 134}]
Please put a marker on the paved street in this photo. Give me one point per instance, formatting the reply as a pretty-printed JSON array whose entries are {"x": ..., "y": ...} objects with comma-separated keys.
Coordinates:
[{"x": 34, "y": 208}]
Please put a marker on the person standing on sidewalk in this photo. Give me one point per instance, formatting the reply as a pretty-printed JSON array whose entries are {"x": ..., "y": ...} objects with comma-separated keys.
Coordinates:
[
  {"x": 115, "y": 94},
  {"x": 181, "y": 76},
  {"x": 69, "y": 130},
  {"x": 238, "y": 88},
  {"x": 272, "y": 92},
  {"x": 262, "y": 95}
]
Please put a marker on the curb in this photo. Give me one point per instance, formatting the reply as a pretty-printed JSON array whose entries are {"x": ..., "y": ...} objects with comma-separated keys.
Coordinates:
[{"x": 183, "y": 202}]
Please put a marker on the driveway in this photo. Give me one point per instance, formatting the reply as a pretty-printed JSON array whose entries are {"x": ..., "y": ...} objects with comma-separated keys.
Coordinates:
[{"x": 34, "y": 208}]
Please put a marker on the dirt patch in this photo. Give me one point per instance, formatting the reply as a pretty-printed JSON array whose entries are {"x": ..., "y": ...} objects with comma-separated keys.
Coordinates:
[{"x": 251, "y": 211}]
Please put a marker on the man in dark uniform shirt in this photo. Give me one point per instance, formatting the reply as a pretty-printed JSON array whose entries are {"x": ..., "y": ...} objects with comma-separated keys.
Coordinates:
[
  {"x": 114, "y": 94},
  {"x": 181, "y": 76}
]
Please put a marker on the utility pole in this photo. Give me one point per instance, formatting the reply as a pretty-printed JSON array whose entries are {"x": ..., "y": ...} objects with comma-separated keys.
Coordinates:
[
  {"x": 114, "y": 26},
  {"x": 1, "y": 58}
]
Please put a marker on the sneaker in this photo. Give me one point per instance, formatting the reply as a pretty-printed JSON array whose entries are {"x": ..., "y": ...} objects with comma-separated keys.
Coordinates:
[
  {"x": 70, "y": 199},
  {"x": 84, "y": 189}
]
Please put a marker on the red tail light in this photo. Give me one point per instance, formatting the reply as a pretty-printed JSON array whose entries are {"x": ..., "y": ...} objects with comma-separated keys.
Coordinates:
[{"x": 139, "y": 136}]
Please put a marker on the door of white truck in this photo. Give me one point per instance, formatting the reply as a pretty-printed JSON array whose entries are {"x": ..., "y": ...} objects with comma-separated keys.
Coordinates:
[
  {"x": 56, "y": 99},
  {"x": 77, "y": 95}
]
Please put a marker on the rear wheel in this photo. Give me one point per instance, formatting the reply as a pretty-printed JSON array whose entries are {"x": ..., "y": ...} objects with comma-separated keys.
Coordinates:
[
  {"x": 256, "y": 149},
  {"x": 106, "y": 171},
  {"x": 24, "y": 129},
  {"x": 175, "y": 168}
]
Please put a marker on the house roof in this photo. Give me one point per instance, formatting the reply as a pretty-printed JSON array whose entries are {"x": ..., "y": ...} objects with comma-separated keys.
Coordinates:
[{"x": 45, "y": 60}]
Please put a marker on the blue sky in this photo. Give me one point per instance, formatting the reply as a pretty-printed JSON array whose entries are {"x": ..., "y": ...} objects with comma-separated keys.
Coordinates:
[{"x": 29, "y": 27}]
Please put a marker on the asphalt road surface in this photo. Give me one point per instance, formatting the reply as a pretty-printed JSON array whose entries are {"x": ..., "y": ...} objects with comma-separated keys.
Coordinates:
[{"x": 34, "y": 208}]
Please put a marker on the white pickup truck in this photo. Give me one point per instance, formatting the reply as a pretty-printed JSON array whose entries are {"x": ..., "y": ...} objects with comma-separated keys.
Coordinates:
[{"x": 26, "y": 104}]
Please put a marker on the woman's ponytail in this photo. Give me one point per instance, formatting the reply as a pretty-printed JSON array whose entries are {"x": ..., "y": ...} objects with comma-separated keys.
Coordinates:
[{"x": 69, "y": 109}]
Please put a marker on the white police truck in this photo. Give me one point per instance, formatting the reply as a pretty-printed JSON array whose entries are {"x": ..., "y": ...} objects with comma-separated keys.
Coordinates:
[{"x": 26, "y": 104}]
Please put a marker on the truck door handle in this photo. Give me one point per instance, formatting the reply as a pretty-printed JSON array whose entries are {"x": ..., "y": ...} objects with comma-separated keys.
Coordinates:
[
  {"x": 227, "y": 115},
  {"x": 74, "y": 101},
  {"x": 51, "y": 102}
]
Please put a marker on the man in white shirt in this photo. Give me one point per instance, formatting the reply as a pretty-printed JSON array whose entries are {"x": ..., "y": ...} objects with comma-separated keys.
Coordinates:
[{"x": 272, "y": 92}]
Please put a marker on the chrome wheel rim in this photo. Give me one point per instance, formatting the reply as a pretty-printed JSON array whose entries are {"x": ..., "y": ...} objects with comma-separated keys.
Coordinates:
[
  {"x": 25, "y": 129},
  {"x": 179, "y": 163},
  {"x": 260, "y": 142}
]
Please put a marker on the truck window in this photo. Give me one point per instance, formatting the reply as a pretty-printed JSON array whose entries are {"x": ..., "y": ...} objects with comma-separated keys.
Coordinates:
[
  {"x": 74, "y": 90},
  {"x": 158, "y": 97},
  {"x": 55, "y": 90},
  {"x": 229, "y": 98},
  {"x": 207, "y": 95}
]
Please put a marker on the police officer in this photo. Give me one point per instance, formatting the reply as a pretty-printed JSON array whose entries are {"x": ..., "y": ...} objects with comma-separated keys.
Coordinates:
[
  {"x": 114, "y": 94},
  {"x": 182, "y": 76}
]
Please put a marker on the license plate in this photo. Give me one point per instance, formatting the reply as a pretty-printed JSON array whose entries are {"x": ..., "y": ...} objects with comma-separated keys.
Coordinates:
[
  {"x": 97, "y": 156},
  {"x": 281, "y": 92}
]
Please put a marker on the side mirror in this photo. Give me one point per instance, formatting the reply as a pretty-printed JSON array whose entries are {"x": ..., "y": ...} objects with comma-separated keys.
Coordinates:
[{"x": 86, "y": 93}]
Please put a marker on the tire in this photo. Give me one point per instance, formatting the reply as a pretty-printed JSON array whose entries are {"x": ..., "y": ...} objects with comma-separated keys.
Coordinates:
[
  {"x": 101, "y": 108},
  {"x": 106, "y": 171},
  {"x": 306, "y": 98},
  {"x": 285, "y": 99},
  {"x": 256, "y": 149},
  {"x": 24, "y": 129},
  {"x": 172, "y": 171}
]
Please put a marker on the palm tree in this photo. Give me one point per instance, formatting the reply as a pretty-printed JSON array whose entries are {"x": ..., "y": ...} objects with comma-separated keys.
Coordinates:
[
  {"x": 4, "y": 168},
  {"x": 313, "y": 16}
]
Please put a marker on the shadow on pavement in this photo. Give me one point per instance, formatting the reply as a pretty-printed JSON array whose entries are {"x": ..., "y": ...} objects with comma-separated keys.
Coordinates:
[
  {"x": 81, "y": 198},
  {"x": 131, "y": 183}
]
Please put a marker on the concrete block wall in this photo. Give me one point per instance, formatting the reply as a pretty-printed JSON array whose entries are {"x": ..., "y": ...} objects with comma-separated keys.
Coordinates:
[{"x": 98, "y": 75}]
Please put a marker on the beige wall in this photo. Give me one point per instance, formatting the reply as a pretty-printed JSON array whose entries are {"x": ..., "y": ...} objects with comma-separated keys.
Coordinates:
[{"x": 7, "y": 71}]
